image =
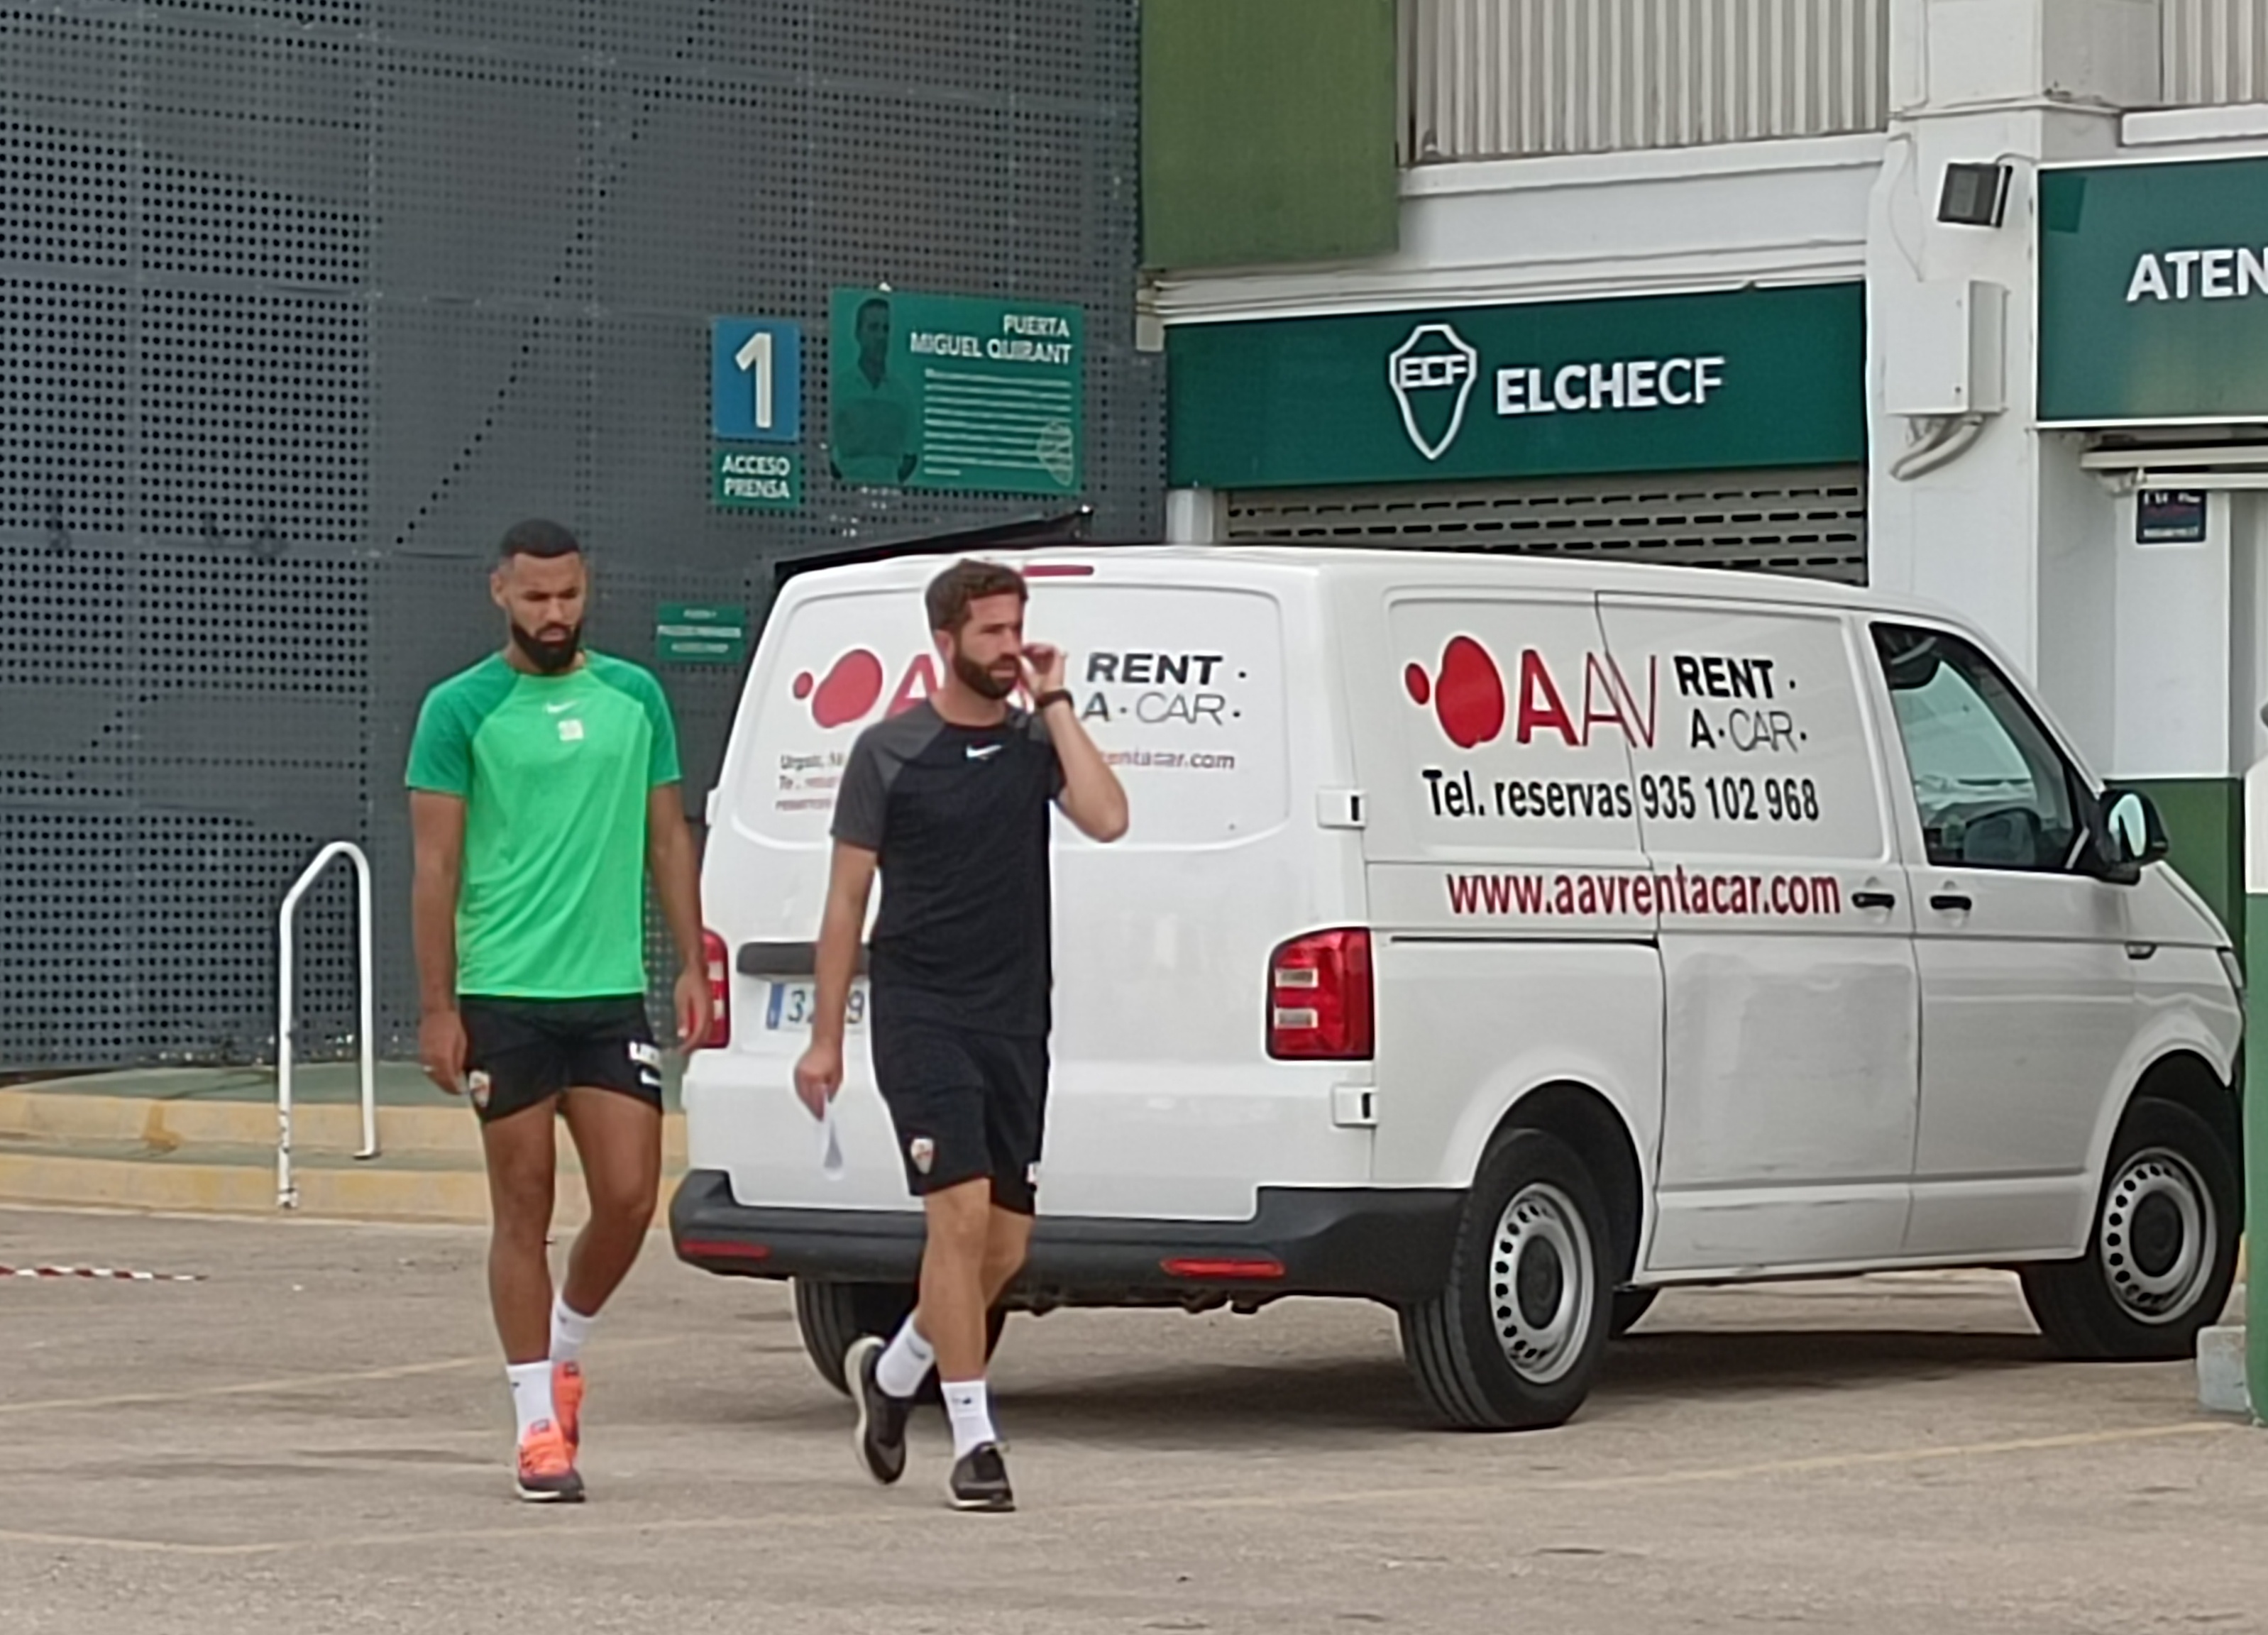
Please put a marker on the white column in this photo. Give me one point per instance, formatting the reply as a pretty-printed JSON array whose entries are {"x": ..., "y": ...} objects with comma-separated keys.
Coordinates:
[
  {"x": 2011, "y": 533},
  {"x": 1195, "y": 516}
]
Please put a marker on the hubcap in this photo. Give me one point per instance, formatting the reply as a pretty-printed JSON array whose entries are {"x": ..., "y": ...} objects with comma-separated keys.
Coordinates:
[
  {"x": 2157, "y": 1235},
  {"x": 1542, "y": 1283}
]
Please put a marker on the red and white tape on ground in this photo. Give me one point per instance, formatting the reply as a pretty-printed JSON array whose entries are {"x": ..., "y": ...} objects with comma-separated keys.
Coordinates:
[{"x": 100, "y": 1271}]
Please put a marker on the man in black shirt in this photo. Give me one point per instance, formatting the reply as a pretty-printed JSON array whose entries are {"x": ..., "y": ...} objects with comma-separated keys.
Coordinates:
[{"x": 950, "y": 801}]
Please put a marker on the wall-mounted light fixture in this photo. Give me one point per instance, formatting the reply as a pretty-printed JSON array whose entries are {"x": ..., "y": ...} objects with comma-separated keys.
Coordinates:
[{"x": 1975, "y": 195}]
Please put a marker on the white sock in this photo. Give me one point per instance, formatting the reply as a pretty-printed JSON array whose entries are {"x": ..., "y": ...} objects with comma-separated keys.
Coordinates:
[
  {"x": 971, "y": 1413},
  {"x": 907, "y": 1363},
  {"x": 570, "y": 1331},
  {"x": 531, "y": 1394}
]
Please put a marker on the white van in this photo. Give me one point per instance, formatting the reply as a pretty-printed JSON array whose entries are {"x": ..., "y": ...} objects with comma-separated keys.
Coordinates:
[{"x": 1505, "y": 940}]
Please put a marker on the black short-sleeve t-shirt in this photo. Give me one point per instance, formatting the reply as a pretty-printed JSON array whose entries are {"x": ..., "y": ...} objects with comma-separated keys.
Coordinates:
[{"x": 958, "y": 817}]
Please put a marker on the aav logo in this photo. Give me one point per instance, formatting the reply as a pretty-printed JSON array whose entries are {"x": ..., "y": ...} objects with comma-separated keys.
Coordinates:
[
  {"x": 853, "y": 685},
  {"x": 1431, "y": 374}
]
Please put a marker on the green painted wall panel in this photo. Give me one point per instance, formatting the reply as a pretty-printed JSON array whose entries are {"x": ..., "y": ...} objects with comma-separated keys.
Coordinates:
[
  {"x": 2204, "y": 821},
  {"x": 2153, "y": 292},
  {"x": 1267, "y": 131}
]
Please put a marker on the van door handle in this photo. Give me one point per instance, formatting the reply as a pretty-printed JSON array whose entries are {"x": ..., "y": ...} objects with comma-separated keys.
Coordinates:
[
  {"x": 1951, "y": 902},
  {"x": 1873, "y": 900}
]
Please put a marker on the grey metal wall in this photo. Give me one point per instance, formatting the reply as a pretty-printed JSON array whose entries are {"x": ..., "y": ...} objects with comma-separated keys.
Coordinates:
[{"x": 303, "y": 301}]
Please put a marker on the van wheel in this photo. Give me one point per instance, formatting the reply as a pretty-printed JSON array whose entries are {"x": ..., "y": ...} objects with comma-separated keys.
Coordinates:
[
  {"x": 1513, "y": 1341},
  {"x": 830, "y": 1315},
  {"x": 1630, "y": 1304},
  {"x": 2162, "y": 1255}
]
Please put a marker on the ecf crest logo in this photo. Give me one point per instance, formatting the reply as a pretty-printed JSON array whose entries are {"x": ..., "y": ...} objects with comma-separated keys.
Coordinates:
[{"x": 1431, "y": 374}]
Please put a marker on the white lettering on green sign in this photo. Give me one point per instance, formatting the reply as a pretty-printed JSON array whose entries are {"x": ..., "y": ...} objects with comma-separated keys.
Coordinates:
[
  {"x": 754, "y": 478},
  {"x": 1641, "y": 384},
  {"x": 2224, "y": 275},
  {"x": 1024, "y": 338}
]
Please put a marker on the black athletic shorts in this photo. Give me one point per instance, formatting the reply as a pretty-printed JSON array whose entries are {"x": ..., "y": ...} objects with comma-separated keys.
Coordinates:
[
  {"x": 968, "y": 1106},
  {"x": 524, "y": 1051}
]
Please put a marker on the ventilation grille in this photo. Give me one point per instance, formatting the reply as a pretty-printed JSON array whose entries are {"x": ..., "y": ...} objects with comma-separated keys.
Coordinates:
[{"x": 1810, "y": 522}]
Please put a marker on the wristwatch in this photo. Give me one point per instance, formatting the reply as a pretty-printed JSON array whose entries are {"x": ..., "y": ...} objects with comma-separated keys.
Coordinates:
[{"x": 1060, "y": 695}]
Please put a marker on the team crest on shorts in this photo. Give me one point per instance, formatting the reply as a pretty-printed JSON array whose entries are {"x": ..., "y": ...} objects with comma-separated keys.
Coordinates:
[
  {"x": 923, "y": 1150},
  {"x": 478, "y": 1083}
]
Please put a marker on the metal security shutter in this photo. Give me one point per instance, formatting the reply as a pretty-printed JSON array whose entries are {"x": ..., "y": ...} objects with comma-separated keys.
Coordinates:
[{"x": 1810, "y": 522}]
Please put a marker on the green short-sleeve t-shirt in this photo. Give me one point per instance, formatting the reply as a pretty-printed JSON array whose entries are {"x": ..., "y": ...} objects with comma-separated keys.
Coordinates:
[{"x": 553, "y": 772}]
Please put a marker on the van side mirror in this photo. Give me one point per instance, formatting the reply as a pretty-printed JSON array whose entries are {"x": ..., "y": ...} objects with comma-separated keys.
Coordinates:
[{"x": 2130, "y": 836}]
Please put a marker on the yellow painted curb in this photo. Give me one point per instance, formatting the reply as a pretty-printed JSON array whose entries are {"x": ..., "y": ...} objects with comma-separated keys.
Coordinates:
[
  {"x": 170, "y": 1126},
  {"x": 363, "y": 1192}
]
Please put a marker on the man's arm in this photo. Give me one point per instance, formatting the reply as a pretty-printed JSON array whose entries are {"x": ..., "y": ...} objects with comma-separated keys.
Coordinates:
[
  {"x": 676, "y": 868},
  {"x": 1092, "y": 798},
  {"x": 841, "y": 928},
  {"x": 436, "y": 827}
]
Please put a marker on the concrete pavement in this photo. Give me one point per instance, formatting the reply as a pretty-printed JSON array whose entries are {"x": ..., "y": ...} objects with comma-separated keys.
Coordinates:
[{"x": 313, "y": 1438}]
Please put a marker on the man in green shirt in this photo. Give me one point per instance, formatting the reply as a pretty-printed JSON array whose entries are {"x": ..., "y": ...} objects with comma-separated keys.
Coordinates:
[{"x": 543, "y": 785}]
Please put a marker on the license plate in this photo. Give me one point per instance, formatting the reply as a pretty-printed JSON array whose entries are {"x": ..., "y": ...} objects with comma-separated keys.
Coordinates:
[{"x": 793, "y": 1005}]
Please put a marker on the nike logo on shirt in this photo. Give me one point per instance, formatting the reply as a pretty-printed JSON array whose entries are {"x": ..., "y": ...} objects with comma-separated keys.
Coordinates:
[
  {"x": 555, "y": 709},
  {"x": 983, "y": 752}
]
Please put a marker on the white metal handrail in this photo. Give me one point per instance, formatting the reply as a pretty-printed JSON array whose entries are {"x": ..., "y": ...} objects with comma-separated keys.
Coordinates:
[{"x": 287, "y": 1194}]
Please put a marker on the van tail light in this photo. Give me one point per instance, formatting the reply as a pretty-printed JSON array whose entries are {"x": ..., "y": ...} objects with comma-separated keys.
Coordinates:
[
  {"x": 1320, "y": 1007},
  {"x": 717, "y": 958}
]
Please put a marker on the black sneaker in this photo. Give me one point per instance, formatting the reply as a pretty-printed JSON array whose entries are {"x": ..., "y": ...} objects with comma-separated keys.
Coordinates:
[
  {"x": 880, "y": 1438},
  {"x": 980, "y": 1480}
]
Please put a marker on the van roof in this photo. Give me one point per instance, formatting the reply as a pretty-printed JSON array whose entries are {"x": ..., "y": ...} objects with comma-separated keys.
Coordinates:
[{"x": 1539, "y": 572}]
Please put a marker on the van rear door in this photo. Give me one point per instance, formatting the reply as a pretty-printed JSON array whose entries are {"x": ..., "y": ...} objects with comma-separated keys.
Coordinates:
[{"x": 1164, "y": 1103}]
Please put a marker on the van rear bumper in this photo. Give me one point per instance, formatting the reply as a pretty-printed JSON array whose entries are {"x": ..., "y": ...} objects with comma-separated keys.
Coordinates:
[{"x": 1385, "y": 1243}]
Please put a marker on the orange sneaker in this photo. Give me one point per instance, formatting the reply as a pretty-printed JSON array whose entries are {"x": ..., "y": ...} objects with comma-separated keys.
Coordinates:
[
  {"x": 567, "y": 1400},
  {"x": 546, "y": 1474}
]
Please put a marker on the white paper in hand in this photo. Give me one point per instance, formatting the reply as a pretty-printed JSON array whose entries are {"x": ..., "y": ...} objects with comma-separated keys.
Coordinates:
[{"x": 830, "y": 1145}]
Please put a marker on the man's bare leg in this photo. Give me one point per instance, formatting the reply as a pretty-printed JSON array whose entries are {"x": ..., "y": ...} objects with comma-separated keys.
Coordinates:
[
  {"x": 618, "y": 1138},
  {"x": 521, "y": 1162},
  {"x": 955, "y": 1298}
]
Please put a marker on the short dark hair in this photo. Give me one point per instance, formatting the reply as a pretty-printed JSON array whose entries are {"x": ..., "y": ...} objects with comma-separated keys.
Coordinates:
[
  {"x": 535, "y": 537},
  {"x": 870, "y": 304},
  {"x": 966, "y": 582}
]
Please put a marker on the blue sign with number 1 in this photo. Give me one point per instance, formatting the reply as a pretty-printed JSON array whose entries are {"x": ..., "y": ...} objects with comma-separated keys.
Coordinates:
[{"x": 755, "y": 381}]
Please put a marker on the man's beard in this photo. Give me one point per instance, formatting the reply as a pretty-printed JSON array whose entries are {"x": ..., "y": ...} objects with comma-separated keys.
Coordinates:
[
  {"x": 980, "y": 680},
  {"x": 551, "y": 658}
]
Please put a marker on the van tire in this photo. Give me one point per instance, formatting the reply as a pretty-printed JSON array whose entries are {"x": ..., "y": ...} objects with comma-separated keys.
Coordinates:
[
  {"x": 1456, "y": 1343},
  {"x": 2168, "y": 1162},
  {"x": 830, "y": 1315},
  {"x": 1631, "y": 1306}
]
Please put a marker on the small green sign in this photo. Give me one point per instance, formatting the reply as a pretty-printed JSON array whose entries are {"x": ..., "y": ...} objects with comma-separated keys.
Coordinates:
[
  {"x": 2153, "y": 293},
  {"x": 956, "y": 391},
  {"x": 698, "y": 633},
  {"x": 1654, "y": 383},
  {"x": 748, "y": 479}
]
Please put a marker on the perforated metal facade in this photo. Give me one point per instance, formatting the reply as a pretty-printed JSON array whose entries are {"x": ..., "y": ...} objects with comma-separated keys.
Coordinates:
[
  {"x": 1810, "y": 522},
  {"x": 303, "y": 301}
]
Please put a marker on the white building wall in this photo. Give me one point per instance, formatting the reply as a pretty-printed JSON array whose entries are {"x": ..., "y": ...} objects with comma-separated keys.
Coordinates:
[
  {"x": 1509, "y": 78},
  {"x": 2154, "y": 657},
  {"x": 2214, "y": 51}
]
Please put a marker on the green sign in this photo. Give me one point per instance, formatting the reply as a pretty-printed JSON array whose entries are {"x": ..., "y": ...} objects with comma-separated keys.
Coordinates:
[
  {"x": 748, "y": 479},
  {"x": 2153, "y": 292},
  {"x": 955, "y": 391},
  {"x": 694, "y": 633},
  {"x": 1655, "y": 383}
]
